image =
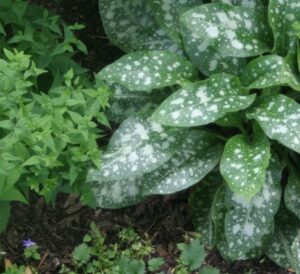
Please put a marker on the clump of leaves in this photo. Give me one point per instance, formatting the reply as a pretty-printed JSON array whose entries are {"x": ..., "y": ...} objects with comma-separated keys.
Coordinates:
[
  {"x": 47, "y": 140},
  {"x": 221, "y": 84}
]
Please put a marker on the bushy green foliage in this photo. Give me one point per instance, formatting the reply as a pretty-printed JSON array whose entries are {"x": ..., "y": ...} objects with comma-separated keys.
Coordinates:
[{"x": 229, "y": 75}]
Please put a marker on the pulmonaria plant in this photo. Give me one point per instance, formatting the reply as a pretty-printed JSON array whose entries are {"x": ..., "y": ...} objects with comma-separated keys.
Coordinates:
[{"x": 208, "y": 92}]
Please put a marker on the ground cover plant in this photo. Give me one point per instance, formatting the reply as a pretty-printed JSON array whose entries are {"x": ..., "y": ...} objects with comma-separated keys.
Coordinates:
[
  {"x": 50, "y": 112},
  {"x": 208, "y": 91}
]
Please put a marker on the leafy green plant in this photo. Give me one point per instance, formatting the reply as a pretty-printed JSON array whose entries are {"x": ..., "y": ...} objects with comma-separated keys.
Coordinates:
[
  {"x": 47, "y": 140},
  {"x": 229, "y": 75}
]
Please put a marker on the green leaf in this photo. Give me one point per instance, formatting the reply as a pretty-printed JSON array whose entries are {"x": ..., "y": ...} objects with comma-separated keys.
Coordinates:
[
  {"x": 137, "y": 147},
  {"x": 257, "y": 5},
  {"x": 192, "y": 254},
  {"x": 244, "y": 165},
  {"x": 248, "y": 221},
  {"x": 147, "y": 70},
  {"x": 209, "y": 270},
  {"x": 231, "y": 30},
  {"x": 82, "y": 254},
  {"x": 292, "y": 194},
  {"x": 208, "y": 59},
  {"x": 131, "y": 26},
  {"x": 278, "y": 248},
  {"x": 296, "y": 253},
  {"x": 155, "y": 264},
  {"x": 203, "y": 102},
  {"x": 12, "y": 194},
  {"x": 167, "y": 15},
  {"x": 268, "y": 71},
  {"x": 194, "y": 159},
  {"x": 131, "y": 266},
  {"x": 207, "y": 204},
  {"x": 282, "y": 15},
  {"x": 4, "y": 215},
  {"x": 278, "y": 116}
]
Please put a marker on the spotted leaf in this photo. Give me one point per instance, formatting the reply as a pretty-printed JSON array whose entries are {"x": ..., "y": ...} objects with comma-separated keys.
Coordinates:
[
  {"x": 243, "y": 165},
  {"x": 231, "y": 30},
  {"x": 203, "y": 102},
  {"x": 147, "y": 70},
  {"x": 257, "y": 5},
  {"x": 296, "y": 253},
  {"x": 292, "y": 195},
  {"x": 198, "y": 155},
  {"x": 138, "y": 147},
  {"x": 125, "y": 103},
  {"x": 208, "y": 59},
  {"x": 247, "y": 221},
  {"x": 278, "y": 115},
  {"x": 207, "y": 204},
  {"x": 131, "y": 26},
  {"x": 282, "y": 15},
  {"x": 278, "y": 248},
  {"x": 167, "y": 15},
  {"x": 268, "y": 71}
]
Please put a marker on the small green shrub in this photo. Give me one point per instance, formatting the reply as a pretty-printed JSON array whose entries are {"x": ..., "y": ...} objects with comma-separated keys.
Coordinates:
[{"x": 231, "y": 110}]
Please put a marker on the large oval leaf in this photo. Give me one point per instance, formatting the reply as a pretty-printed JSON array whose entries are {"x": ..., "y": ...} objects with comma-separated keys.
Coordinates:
[
  {"x": 248, "y": 221},
  {"x": 268, "y": 71},
  {"x": 138, "y": 147},
  {"x": 203, "y": 102},
  {"x": 278, "y": 115},
  {"x": 147, "y": 70},
  {"x": 167, "y": 15},
  {"x": 198, "y": 155},
  {"x": 232, "y": 30},
  {"x": 278, "y": 248},
  {"x": 243, "y": 165},
  {"x": 131, "y": 26},
  {"x": 282, "y": 15}
]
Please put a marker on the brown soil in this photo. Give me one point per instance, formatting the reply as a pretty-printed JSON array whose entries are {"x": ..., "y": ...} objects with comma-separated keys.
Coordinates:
[{"x": 58, "y": 230}]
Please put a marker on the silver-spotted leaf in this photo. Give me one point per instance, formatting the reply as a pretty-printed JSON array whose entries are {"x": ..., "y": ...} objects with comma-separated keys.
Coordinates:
[
  {"x": 292, "y": 194},
  {"x": 147, "y": 70},
  {"x": 203, "y": 102},
  {"x": 296, "y": 253},
  {"x": 231, "y": 30},
  {"x": 136, "y": 148},
  {"x": 282, "y": 15},
  {"x": 278, "y": 248},
  {"x": 125, "y": 103},
  {"x": 167, "y": 15},
  {"x": 208, "y": 209},
  {"x": 278, "y": 116},
  {"x": 208, "y": 59},
  {"x": 268, "y": 71},
  {"x": 243, "y": 165},
  {"x": 131, "y": 26},
  {"x": 257, "y": 5},
  {"x": 248, "y": 221},
  {"x": 198, "y": 155}
]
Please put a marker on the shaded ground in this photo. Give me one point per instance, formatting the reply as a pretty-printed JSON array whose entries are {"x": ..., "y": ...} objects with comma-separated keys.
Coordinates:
[{"x": 59, "y": 230}]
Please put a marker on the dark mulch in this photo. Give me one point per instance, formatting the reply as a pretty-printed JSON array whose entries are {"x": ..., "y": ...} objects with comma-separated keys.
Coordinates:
[{"x": 58, "y": 230}]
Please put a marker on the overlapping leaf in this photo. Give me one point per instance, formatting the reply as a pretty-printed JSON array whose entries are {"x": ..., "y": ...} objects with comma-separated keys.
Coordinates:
[
  {"x": 147, "y": 70},
  {"x": 243, "y": 165},
  {"x": 195, "y": 158},
  {"x": 278, "y": 115},
  {"x": 231, "y": 30},
  {"x": 296, "y": 253},
  {"x": 137, "y": 147},
  {"x": 167, "y": 15},
  {"x": 278, "y": 248},
  {"x": 131, "y": 26},
  {"x": 203, "y": 102},
  {"x": 282, "y": 15},
  {"x": 270, "y": 70},
  {"x": 207, "y": 204},
  {"x": 248, "y": 221},
  {"x": 292, "y": 194}
]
